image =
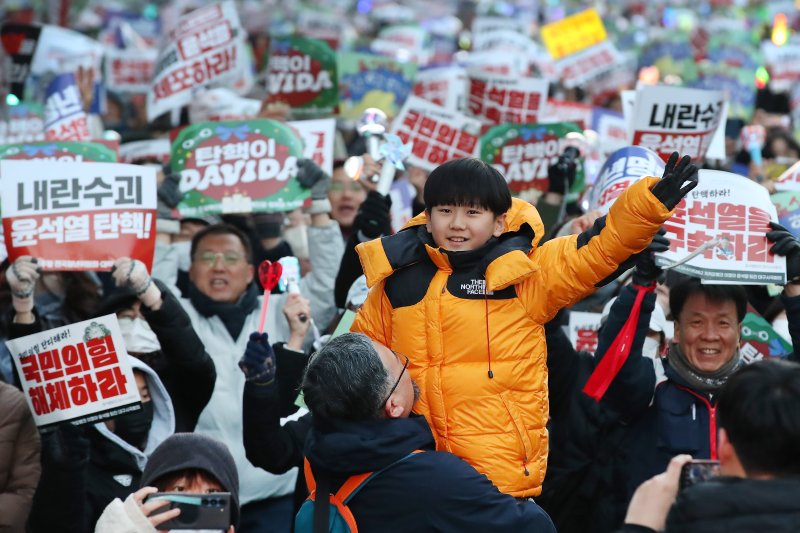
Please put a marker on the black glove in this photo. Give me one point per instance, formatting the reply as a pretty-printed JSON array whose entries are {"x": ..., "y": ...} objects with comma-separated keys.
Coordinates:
[
  {"x": 258, "y": 362},
  {"x": 646, "y": 271},
  {"x": 373, "y": 219},
  {"x": 310, "y": 176},
  {"x": 788, "y": 246},
  {"x": 561, "y": 176},
  {"x": 677, "y": 181},
  {"x": 169, "y": 191}
]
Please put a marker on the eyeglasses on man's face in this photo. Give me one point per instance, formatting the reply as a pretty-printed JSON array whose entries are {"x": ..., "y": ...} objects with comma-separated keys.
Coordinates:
[
  {"x": 396, "y": 383},
  {"x": 339, "y": 186},
  {"x": 210, "y": 258}
]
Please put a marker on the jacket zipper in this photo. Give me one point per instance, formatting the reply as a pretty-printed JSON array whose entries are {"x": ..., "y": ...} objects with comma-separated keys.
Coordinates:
[{"x": 712, "y": 421}]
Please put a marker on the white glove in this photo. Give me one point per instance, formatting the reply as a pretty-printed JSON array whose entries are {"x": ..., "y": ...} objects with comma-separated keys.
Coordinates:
[
  {"x": 132, "y": 273},
  {"x": 22, "y": 276}
]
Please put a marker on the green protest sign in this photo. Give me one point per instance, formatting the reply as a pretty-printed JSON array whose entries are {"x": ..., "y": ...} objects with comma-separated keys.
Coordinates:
[
  {"x": 760, "y": 341},
  {"x": 302, "y": 74},
  {"x": 239, "y": 166},
  {"x": 60, "y": 151}
]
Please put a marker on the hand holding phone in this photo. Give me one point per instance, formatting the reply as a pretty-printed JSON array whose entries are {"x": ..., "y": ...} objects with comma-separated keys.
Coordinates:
[
  {"x": 696, "y": 471},
  {"x": 197, "y": 511}
]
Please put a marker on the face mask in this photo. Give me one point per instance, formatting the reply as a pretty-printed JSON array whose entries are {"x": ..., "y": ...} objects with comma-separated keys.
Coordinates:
[
  {"x": 138, "y": 336},
  {"x": 650, "y": 348},
  {"x": 134, "y": 427},
  {"x": 297, "y": 237},
  {"x": 183, "y": 249},
  {"x": 781, "y": 327}
]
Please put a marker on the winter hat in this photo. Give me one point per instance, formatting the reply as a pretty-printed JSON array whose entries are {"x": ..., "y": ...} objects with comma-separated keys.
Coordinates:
[{"x": 182, "y": 451}]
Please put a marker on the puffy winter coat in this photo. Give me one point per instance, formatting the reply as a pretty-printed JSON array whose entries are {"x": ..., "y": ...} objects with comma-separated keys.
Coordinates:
[{"x": 479, "y": 357}]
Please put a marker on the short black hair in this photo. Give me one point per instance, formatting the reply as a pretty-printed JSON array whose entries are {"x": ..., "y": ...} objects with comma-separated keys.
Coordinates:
[
  {"x": 222, "y": 229},
  {"x": 681, "y": 291},
  {"x": 467, "y": 182},
  {"x": 759, "y": 409},
  {"x": 346, "y": 380}
]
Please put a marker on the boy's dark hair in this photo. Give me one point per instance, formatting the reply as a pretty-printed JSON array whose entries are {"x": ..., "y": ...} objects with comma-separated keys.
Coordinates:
[
  {"x": 759, "y": 408},
  {"x": 346, "y": 380},
  {"x": 680, "y": 292},
  {"x": 223, "y": 229},
  {"x": 467, "y": 182}
]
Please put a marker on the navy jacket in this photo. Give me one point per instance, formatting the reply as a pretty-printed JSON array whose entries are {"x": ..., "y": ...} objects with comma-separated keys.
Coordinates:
[{"x": 430, "y": 491}]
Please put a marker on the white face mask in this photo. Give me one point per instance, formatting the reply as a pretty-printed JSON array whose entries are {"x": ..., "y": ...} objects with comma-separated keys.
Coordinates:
[
  {"x": 138, "y": 336},
  {"x": 781, "y": 327},
  {"x": 650, "y": 348},
  {"x": 183, "y": 249}
]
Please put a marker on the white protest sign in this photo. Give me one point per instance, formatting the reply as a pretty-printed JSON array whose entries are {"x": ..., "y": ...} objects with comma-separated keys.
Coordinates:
[
  {"x": 135, "y": 151},
  {"x": 583, "y": 329},
  {"x": 505, "y": 40},
  {"x": 581, "y": 67},
  {"x": 129, "y": 71},
  {"x": 565, "y": 111},
  {"x": 78, "y": 216},
  {"x": 722, "y": 225},
  {"x": 622, "y": 169},
  {"x": 205, "y": 47},
  {"x": 318, "y": 136},
  {"x": 78, "y": 373},
  {"x": 612, "y": 133},
  {"x": 498, "y": 99},
  {"x": 485, "y": 24},
  {"x": 221, "y": 103},
  {"x": 406, "y": 42},
  {"x": 790, "y": 179},
  {"x": 489, "y": 62},
  {"x": 438, "y": 134},
  {"x": 444, "y": 86},
  {"x": 784, "y": 64},
  {"x": 670, "y": 119}
]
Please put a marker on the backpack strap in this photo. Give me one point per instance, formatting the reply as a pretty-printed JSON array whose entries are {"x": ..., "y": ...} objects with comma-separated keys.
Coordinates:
[{"x": 348, "y": 495}]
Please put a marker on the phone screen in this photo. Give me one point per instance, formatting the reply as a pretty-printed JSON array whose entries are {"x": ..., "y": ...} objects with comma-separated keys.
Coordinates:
[{"x": 697, "y": 471}]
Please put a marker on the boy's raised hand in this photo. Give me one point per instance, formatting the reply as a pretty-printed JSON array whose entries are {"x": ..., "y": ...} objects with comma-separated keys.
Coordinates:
[{"x": 678, "y": 179}]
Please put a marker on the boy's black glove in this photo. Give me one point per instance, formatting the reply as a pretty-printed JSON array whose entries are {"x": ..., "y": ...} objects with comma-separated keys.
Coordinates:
[
  {"x": 373, "y": 219},
  {"x": 646, "y": 271},
  {"x": 679, "y": 178},
  {"x": 561, "y": 176},
  {"x": 788, "y": 246},
  {"x": 258, "y": 362}
]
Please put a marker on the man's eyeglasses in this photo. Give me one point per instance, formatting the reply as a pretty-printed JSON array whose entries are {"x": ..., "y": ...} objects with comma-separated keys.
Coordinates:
[
  {"x": 339, "y": 187},
  {"x": 210, "y": 258},
  {"x": 396, "y": 383}
]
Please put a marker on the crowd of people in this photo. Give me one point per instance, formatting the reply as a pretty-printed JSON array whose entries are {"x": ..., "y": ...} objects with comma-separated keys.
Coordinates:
[{"x": 455, "y": 401}]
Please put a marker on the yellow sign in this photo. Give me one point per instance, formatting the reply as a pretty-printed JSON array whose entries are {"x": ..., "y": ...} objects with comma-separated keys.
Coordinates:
[{"x": 573, "y": 33}]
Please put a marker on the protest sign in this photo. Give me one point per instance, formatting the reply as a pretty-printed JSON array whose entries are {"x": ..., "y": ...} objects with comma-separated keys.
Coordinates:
[
  {"x": 622, "y": 169},
  {"x": 790, "y": 179},
  {"x": 64, "y": 117},
  {"x": 505, "y": 40},
  {"x": 59, "y": 152},
  {"x": 19, "y": 42},
  {"x": 483, "y": 24},
  {"x": 579, "y": 68},
  {"x": 150, "y": 150},
  {"x": 438, "y": 134},
  {"x": 129, "y": 71},
  {"x": 490, "y": 62},
  {"x": 78, "y": 373},
  {"x": 583, "y": 329},
  {"x": 302, "y": 73},
  {"x": 498, "y": 99},
  {"x": 238, "y": 167},
  {"x": 573, "y": 34},
  {"x": 523, "y": 153},
  {"x": 784, "y": 64},
  {"x": 760, "y": 341},
  {"x": 318, "y": 136},
  {"x": 372, "y": 81},
  {"x": 405, "y": 42},
  {"x": 612, "y": 132},
  {"x": 25, "y": 124},
  {"x": 78, "y": 216},
  {"x": 722, "y": 226},
  {"x": 565, "y": 111},
  {"x": 444, "y": 86},
  {"x": 205, "y": 47},
  {"x": 738, "y": 86},
  {"x": 670, "y": 119},
  {"x": 788, "y": 206},
  {"x": 221, "y": 103}
]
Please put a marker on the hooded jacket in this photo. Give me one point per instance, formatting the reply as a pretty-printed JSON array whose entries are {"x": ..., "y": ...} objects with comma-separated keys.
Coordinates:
[
  {"x": 428, "y": 491},
  {"x": 480, "y": 357}
]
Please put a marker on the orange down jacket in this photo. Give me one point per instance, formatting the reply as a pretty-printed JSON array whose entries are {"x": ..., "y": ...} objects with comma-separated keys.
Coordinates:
[{"x": 479, "y": 357}]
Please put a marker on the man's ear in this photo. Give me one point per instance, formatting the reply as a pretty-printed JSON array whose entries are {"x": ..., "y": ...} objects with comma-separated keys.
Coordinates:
[
  {"x": 728, "y": 460},
  {"x": 393, "y": 409},
  {"x": 499, "y": 225},
  {"x": 428, "y": 220},
  {"x": 251, "y": 272},
  {"x": 676, "y": 334}
]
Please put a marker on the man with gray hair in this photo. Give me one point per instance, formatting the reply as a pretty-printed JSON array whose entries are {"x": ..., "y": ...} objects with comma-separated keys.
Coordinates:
[{"x": 361, "y": 396}]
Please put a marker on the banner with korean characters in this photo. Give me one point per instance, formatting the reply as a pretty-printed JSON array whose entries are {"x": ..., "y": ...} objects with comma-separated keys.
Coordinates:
[
  {"x": 583, "y": 328},
  {"x": 438, "y": 134},
  {"x": 783, "y": 63},
  {"x": 573, "y": 34},
  {"x": 78, "y": 216},
  {"x": 761, "y": 341},
  {"x": 580, "y": 68},
  {"x": 207, "y": 46},
  {"x": 788, "y": 206},
  {"x": 444, "y": 86},
  {"x": 60, "y": 152},
  {"x": 669, "y": 119},
  {"x": 238, "y": 166},
  {"x": 718, "y": 233},
  {"x": 78, "y": 373},
  {"x": 25, "y": 124},
  {"x": 498, "y": 99},
  {"x": 622, "y": 169},
  {"x": 565, "y": 111},
  {"x": 523, "y": 153},
  {"x": 318, "y": 136},
  {"x": 302, "y": 74},
  {"x": 129, "y": 71},
  {"x": 367, "y": 80},
  {"x": 64, "y": 117}
]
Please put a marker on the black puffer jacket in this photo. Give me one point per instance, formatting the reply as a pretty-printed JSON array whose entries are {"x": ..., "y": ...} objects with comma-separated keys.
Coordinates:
[{"x": 736, "y": 505}]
